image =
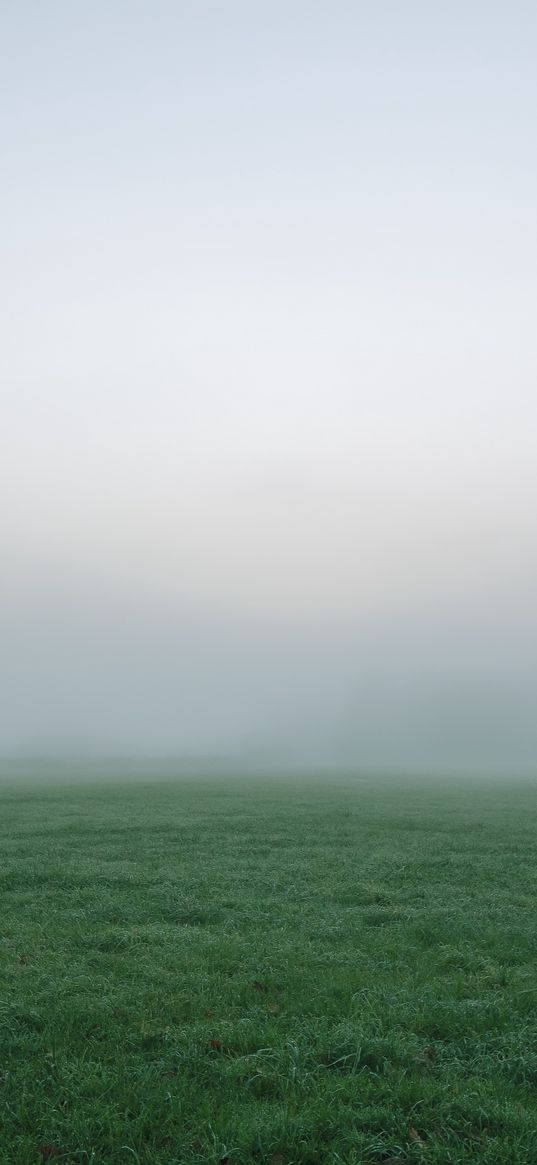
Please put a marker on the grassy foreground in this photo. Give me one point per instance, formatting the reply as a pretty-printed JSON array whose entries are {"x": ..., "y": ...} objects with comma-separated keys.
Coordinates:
[{"x": 276, "y": 974}]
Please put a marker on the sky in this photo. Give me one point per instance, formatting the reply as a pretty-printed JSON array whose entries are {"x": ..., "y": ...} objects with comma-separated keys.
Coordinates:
[{"x": 267, "y": 452}]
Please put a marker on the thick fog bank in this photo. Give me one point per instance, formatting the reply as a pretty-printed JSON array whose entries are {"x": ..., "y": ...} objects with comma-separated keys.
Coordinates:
[
  {"x": 268, "y": 467},
  {"x": 438, "y": 691}
]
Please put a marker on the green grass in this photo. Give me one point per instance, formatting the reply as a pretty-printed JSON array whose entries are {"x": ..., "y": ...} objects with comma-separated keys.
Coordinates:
[{"x": 278, "y": 974}]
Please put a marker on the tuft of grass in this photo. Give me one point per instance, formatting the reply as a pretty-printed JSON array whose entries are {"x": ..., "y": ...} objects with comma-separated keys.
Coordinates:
[{"x": 268, "y": 974}]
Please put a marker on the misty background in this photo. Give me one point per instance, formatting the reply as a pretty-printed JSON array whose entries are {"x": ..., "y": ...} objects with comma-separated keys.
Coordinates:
[{"x": 268, "y": 467}]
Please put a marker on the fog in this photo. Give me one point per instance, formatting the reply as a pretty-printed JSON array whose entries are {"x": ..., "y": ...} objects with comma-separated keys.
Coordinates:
[
  {"x": 268, "y": 469},
  {"x": 432, "y": 690}
]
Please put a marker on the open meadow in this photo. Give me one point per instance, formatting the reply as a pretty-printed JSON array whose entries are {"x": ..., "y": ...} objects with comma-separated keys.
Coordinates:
[{"x": 268, "y": 973}]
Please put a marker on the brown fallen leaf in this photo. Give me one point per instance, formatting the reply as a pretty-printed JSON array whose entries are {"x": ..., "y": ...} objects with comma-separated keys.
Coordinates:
[
  {"x": 277, "y": 1159},
  {"x": 48, "y": 1151},
  {"x": 273, "y": 1008},
  {"x": 413, "y": 1135},
  {"x": 24, "y": 960},
  {"x": 216, "y": 1044}
]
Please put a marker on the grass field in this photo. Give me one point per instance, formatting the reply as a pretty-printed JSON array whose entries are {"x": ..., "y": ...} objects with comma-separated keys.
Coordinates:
[{"x": 271, "y": 974}]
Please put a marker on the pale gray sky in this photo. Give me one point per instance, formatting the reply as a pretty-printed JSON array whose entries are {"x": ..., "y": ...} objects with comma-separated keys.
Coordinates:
[{"x": 268, "y": 453}]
